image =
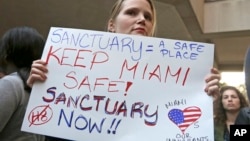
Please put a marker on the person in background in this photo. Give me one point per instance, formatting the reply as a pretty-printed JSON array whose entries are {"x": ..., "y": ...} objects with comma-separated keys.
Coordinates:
[
  {"x": 135, "y": 17},
  {"x": 227, "y": 107},
  {"x": 19, "y": 47},
  {"x": 243, "y": 117},
  {"x": 2, "y": 73}
]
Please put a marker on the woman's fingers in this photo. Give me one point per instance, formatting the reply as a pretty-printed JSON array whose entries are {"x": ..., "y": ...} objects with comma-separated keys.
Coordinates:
[{"x": 38, "y": 72}]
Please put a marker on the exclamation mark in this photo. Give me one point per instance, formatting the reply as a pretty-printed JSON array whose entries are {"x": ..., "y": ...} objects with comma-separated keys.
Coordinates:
[
  {"x": 127, "y": 87},
  {"x": 114, "y": 131}
]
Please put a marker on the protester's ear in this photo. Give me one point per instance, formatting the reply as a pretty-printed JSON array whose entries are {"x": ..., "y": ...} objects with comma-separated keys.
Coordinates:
[{"x": 111, "y": 26}]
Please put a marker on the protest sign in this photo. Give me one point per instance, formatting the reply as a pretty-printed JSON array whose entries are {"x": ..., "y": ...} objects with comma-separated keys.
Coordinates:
[{"x": 118, "y": 87}]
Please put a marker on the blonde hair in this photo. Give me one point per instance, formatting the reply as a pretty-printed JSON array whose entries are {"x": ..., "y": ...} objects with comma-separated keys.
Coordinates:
[{"x": 117, "y": 8}]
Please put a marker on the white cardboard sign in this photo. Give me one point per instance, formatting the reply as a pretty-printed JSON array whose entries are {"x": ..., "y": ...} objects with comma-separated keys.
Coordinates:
[{"x": 117, "y": 87}]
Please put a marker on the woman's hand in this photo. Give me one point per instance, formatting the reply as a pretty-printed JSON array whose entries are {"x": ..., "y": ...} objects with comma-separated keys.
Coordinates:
[
  {"x": 212, "y": 83},
  {"x": 38, "y": 72}
]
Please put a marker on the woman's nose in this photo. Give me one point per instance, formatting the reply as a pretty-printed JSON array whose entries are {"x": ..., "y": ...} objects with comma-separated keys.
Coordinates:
[{"x": 141, "y": 19}]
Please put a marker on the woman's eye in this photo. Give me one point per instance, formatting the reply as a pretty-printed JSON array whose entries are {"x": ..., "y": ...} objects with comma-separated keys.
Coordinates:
[
  {"x": 234, "y": 96},
  {"x": 225, "y": 97},
  {"x": 132, "y": 13},
  {"x": 148, "y": 17}
]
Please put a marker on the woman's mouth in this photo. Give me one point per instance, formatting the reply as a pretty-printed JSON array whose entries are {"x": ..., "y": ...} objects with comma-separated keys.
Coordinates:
[{"x": 140, "y": 31}]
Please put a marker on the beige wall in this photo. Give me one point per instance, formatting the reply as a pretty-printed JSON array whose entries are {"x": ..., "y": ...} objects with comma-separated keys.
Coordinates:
[
  {"x": 198, "y": 7},
  {"x": 227, "y": 15}
]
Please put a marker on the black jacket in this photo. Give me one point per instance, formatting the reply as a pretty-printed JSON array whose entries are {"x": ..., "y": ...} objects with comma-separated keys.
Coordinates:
[{"x": 243, "y": 116}]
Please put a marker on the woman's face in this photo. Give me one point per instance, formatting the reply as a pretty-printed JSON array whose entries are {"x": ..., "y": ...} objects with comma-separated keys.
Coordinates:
[
  {"x": 135, "y": 18},
  {"x": 230, "y": 100}
]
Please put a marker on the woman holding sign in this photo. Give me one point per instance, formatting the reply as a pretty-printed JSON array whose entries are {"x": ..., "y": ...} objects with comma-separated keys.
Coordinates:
[{"x": 136, "y": 17}]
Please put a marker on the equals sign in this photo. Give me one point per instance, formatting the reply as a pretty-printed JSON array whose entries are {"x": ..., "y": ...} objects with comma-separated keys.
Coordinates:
[{"x": 150, "y": 48}]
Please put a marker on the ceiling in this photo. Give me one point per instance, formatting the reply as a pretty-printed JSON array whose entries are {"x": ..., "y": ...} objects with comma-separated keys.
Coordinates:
[{"x": 176, "y": 20}]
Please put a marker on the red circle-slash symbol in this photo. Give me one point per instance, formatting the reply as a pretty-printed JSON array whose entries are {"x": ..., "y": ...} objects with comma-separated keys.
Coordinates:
[{"x": 40, "y": 115}]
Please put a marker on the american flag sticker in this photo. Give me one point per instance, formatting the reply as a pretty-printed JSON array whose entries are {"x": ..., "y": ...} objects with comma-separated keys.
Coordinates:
[{"x": 184, "y": 118}]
